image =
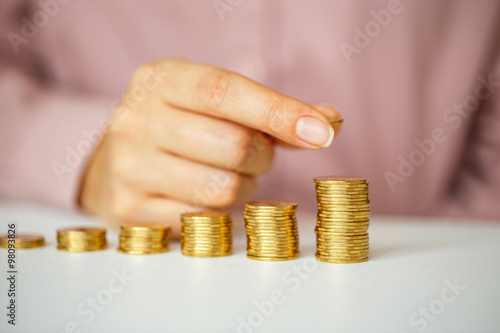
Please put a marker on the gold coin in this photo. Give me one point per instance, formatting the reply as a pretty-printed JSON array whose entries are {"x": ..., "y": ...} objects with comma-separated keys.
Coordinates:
[
  {"x": 340, "y": 200},
  {"x": 206, "y": 234},
  {"x": 340, "y": 261},
  {"x": 214, "y": 214},
  {"x": 144, "y": 226},
  {"x": 335, "y": 238},
  {"x": 350, "y": 179},
  {"x": 81, "y": 231},
  {"x": 340, "y": 235},
  {"x": 142, "y": 238},
  {"x": 340, "y": 227},
  {"x": 207, "y": 252},
  {"x": 272, "y": 232},
  {"x": 274, "y": 245},
  {"x": 261, "y": 258},
  {"x": 142, "y": 251},
  {"x": 273, "y": 251},
  {"x": 342, "y": 248},
  {"x": 338, "y": 121},
  {"x": 347, "y": 221},
  {"x": 343, "y": 219},
  {"x": 271, "y": 203},
  {"x": 22, "y": 241},
  {"x": 272, "y": 229},
  {"x": 81, "y": 239},
  {"x": 353, "y": 257},
  {"x": 330, "y": 238},
  {"x": 343, "y": 193}
]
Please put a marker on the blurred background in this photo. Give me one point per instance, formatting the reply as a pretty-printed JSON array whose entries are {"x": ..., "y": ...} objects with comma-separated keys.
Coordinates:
[{"x": 416, "y": 82}]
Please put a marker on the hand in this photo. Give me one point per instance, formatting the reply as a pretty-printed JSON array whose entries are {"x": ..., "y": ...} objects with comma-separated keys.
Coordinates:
[{"x": 187, "y": 136}]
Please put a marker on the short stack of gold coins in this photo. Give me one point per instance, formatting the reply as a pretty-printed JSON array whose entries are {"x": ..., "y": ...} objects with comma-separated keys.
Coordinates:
[
  {"x": 207, "y": 234},
  {"x": 22, "y": 241},
  {"x": 143, "y": 238},
  {"x": 343, "y": 219},
  {"x": 81, "y": 239},
  {"x": 271, "y": 228}
]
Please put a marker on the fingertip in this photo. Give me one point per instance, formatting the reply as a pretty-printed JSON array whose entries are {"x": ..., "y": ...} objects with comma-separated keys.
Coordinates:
[
  {"x": 333, "y": 115},
  {"x": 331, "y": 112}
]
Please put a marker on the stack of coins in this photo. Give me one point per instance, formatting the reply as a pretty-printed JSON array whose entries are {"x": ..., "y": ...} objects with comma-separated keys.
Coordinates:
[
  {"x": 271, "y": 227},
  {"x": 143, "y": 238},
  {"x": 81, "y": 239},
  {"x": 22, "y": 241},
  {"x": 342, "y": 220},
  {"x": 207, "y": 234}
]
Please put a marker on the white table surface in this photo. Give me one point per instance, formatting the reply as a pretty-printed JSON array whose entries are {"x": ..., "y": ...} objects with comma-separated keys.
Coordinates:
[{"x": 412, "y": 263}]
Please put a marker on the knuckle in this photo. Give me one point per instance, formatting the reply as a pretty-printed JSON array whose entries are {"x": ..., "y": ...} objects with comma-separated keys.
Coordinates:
[
  {"x": 214, "y": 89},
  {"x": 231, "y": 190},
  {"x": 139, "y": 73},
  {"x": 126, "y": 123},
  {"x": 243, "y": 148},
  {"x": 124, "y": 166},
  {"x": 123, "y": 208},
  {"x": 273, "y": 114}
]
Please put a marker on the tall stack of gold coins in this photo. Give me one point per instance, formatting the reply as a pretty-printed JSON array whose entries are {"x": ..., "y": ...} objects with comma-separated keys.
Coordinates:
[
  {"x": 81, "y": 239},
  {"x": 343, "y": 219},
  {"x": 207, "y": 234},
  {"x": 143, "y": 238},
  {"x": 271, "y": 227},
  {"x": 22, "y": 241}
]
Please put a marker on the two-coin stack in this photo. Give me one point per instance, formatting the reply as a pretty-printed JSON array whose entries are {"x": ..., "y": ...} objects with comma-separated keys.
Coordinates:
[
  {"x": 22, "y": 241},
  {"x": 271, "y": 227},
  {"x": 143, "y": 238},
  {"x": 343, "y": 219},
  {"x": 207, "y": 234},
  {"x": 81, "y": 239}
]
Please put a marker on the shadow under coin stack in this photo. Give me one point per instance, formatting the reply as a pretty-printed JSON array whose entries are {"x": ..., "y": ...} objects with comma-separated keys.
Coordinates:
[
  {"x": 343, "y": 219},
  {"x": 22, "y": 241},
  {"x": 207, "y": 234},
  {"x": 143, "y": 238},
  {"x": 81, "y": 239},
  {"x": 271, "y": 227}
]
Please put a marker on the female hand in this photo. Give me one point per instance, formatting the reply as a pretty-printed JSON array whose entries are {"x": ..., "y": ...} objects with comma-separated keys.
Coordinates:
[{"x": 188, "y": 136}]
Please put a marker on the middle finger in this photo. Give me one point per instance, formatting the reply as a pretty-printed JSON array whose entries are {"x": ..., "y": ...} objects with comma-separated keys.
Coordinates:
[{"x": 212, "y": 141}]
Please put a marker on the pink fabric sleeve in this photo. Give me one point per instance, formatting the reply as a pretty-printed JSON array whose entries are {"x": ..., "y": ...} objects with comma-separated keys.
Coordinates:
[
  {"x": 477, "y": 187},
  {"x": 47, "y": 134}
]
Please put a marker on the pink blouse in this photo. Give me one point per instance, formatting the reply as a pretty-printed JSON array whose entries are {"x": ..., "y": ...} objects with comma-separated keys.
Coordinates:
[{"x": 418, "y": 84}]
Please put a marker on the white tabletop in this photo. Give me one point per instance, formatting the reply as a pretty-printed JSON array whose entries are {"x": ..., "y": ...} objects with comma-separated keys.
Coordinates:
[{"x": 424, "y": 275}]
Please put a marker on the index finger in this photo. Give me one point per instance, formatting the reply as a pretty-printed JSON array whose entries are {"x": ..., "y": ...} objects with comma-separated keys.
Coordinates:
[{"x": 227, "y": 95}]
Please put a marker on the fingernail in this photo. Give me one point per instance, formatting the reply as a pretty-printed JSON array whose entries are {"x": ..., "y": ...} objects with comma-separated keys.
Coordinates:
[{"x": 314, "y": 132}]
